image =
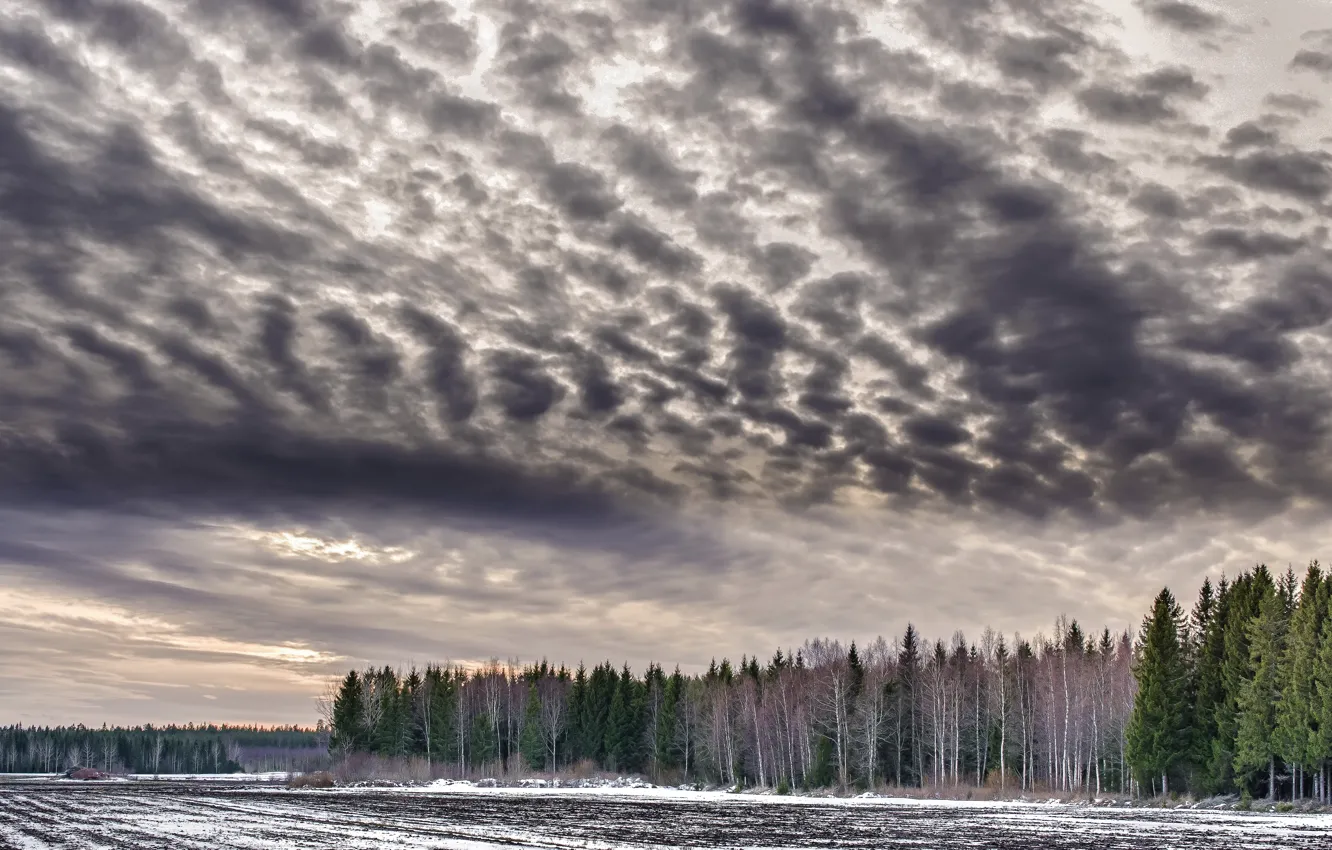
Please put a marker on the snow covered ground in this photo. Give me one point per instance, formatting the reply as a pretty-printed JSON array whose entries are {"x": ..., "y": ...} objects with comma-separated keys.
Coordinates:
[{"x": 215, "y": 814}]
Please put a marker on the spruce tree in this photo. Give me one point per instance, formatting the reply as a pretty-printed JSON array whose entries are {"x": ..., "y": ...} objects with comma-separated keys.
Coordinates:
[
  {"x": 1255, "y": 742},
  {"x": 1158, "y": 734},
  {"x": 413, "y": 709},
  {"x": 387, "y": 736},
  {"x": 1245, "y": 600},
  {"x": 1295, "y": 737},
  {"x": 485, "y": 743},
  {"x": 909, "y": 751},
  {"x": 577, "y": 702},
  {"x": 348, "y": 734},
  {"x": 533, "y": 743},
  {"x": 624, "y": 731},
  {"x": 857, "y": 670},
  {"x": 1208, "y": 691},
  {"x": 596, "y": 712},
  {"x": 442, "y": 715},
  {"x": 1323, "y": 689},
  {"x": 668, "y": 721}
]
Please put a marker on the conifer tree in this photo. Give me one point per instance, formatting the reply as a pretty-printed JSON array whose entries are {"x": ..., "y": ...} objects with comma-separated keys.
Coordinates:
[
  {"x": 857, "y": 669},
  {"x": 485, "y": 743},
  {"x": 348, "y": 734},
  {"x": 1157, "y": 737},
  {"x": 1255, "y": 743},
  {"x": 413, "y": 710},
  {"x": 1323, "y": 690},
  {"x": 1245, "y": 600},
  {"x": 1208, "y": 691},
  {"x": 577, "y": 709},
  {"x": 532, "y": 744},
  {"x": 441, "y": 715},
  {"x": 623, "y": 728},
  {"x": 1294, "y": 738},
  {"x": 909, "y": 755},
  {"x": 668, "y": 721}
]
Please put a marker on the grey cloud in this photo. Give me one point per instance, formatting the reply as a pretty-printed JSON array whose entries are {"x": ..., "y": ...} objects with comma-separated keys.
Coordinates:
[
  {"x": 1298, "y": 174},
  {"x": 1293, "y": 102},
  {"x": 1251, "y": 134},
  {"x": 27, "y": 45},
  {"x": 1161, "y": 202},
  {"x": 1183, "y": 16},
  {"x": 1247, "y": 245},
  {"x": 1042, "y": 61},
  {"x": 1317, "y": 61},
  {"x": 782, "y": 264},
  {"x": 1122, "y": 107},
  {"x": 781, "y": 273}
]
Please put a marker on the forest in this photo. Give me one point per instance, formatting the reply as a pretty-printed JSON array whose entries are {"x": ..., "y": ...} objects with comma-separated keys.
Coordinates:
[
  {"x": 1233, "y": 698},
  {"x": 150, "y": 749}
]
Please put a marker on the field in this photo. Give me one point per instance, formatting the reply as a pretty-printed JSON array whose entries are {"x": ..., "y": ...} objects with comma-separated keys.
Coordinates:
[{"x": 213, "y": 815}]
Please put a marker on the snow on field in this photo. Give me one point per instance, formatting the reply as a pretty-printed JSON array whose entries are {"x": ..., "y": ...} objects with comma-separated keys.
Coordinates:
[{"x": 201, "y": 814}]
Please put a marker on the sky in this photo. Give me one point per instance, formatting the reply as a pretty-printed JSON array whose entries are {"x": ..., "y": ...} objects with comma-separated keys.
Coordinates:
[{"x": 346, "y": 333}]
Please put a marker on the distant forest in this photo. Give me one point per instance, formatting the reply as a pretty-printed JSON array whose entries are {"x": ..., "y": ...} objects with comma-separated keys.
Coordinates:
[
  {"x": 162, "y": 749},
  {"x": 1234, "y": 698}
]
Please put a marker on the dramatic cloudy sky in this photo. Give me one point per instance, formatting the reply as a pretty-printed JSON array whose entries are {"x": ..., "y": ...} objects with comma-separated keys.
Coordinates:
[{"x": 391, "y": 331}]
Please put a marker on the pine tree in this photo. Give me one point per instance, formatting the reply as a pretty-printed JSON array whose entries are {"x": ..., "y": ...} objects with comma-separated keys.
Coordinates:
[
  {"x": 1255, "y": 744},
  {"x": 1158, "y": 738}
]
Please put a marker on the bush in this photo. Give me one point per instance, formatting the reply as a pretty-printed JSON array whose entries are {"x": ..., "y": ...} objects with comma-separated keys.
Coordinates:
[
  {"x": 1245, "y": 802},
  {"x": 783, "y": 786},
  {"x": 1285, "y": 807},
  {"x": 318, "y": 779}
]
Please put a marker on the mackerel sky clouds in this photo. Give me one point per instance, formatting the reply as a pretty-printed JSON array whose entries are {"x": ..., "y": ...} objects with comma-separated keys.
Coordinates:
[{"x": 406, "y": 331}]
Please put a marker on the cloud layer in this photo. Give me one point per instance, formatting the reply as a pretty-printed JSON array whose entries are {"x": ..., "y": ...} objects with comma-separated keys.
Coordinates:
[{"x": 577, "y": 275}]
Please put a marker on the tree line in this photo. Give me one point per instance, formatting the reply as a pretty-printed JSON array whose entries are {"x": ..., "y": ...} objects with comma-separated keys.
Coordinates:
[
  {"x": 162, "y": 749},
  {"x": 1236, "y": 696},
  {"x": 1048, "y": 712}
]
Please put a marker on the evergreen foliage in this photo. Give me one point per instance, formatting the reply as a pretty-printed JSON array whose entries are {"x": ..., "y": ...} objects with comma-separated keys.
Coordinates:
[{"x": 1158, "y": 732}]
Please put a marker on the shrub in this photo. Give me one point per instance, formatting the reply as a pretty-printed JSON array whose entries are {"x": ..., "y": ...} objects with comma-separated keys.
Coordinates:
[
  {"x": 1285, "y": 807},
  {"x": 783, "y": 786},
  {"x": 1245, "y": 802},
  {"x": 318, "y": 779}
]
